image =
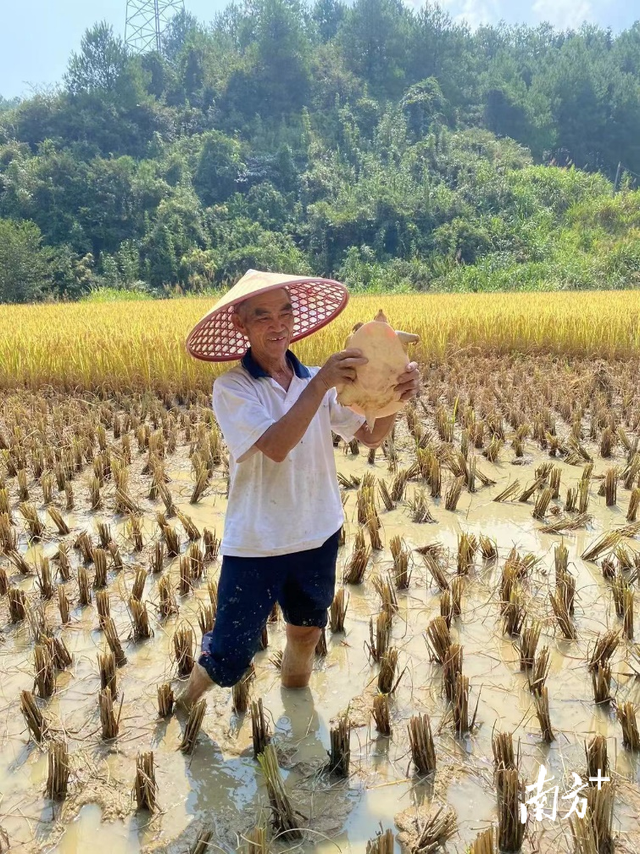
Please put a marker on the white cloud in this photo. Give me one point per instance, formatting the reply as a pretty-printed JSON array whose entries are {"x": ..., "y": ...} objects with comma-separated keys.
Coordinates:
[
  {"x": 563, "y": 13},
  {"x": 478, "y": 12},
  {"x": 472, "y": 12}
]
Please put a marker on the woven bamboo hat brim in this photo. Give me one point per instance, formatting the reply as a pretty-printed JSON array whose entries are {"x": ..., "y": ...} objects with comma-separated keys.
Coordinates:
[{"x": 315, "y": 303}]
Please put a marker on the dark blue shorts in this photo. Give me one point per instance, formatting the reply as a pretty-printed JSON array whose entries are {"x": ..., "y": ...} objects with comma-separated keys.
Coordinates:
[{"x": 303, "y": 583}]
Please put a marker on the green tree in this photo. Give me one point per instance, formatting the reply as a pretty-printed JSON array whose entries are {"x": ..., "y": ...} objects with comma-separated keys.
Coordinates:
[
  {"x": 24, "y": 269},
  {"x": 101, "y": 63},
  {"x": 217, "y": 168},
  {"x": 374, "y": 38}
]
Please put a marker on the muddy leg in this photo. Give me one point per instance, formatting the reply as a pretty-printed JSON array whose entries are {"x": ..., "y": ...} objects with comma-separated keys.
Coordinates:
[
  {"x": 199, "y": 682},
  {"x": 297, "y": 661}
]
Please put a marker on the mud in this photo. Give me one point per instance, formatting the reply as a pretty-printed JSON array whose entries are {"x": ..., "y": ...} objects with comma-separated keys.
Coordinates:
[{"x": 220, "y": 786}]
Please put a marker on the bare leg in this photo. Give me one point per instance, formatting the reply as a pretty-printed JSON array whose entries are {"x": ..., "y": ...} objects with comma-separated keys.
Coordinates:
[
  {"x": 199, "y": 682},
  {"x": 297, "y": 661}
]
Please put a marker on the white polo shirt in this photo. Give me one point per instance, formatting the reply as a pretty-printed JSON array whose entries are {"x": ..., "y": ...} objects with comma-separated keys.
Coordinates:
[{"x": 278, "y": 508}]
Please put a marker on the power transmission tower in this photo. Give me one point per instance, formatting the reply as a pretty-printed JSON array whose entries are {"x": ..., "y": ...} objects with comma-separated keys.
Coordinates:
[{"x": 146, "y": 22}]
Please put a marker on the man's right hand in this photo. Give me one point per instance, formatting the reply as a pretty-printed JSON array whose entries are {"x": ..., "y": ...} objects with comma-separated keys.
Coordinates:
[{"x": 340, "y": 368}]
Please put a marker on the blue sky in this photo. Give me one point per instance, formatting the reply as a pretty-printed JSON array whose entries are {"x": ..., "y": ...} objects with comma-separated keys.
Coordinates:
[{"x": 38, "y": 36}]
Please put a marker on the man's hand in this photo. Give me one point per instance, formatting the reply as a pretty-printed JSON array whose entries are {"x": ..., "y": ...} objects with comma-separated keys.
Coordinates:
[
  {"x": 409, "y": 382},
  {"x": 341, "y": 368}
]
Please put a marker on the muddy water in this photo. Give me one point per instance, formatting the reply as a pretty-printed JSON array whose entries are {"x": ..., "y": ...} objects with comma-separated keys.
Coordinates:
[{"x": 220, "y": 785}]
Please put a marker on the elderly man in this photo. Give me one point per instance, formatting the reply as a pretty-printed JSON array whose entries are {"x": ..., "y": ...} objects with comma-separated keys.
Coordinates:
[{"x": 284, "y": 511}]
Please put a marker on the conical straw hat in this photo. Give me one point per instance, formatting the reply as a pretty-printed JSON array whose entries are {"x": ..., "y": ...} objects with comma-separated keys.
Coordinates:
[{"x": 315, "y": 303}]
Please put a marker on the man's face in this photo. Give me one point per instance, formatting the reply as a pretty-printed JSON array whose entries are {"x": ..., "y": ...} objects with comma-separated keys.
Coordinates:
[{"x": 267, "y": 321}]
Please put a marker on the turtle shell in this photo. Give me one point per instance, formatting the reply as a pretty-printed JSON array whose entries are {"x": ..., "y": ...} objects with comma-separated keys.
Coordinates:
[{"x": 373, "y": 392}]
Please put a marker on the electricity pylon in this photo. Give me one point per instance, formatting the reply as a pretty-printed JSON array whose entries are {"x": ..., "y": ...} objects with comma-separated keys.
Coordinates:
[{"x": 146, "y": 22}]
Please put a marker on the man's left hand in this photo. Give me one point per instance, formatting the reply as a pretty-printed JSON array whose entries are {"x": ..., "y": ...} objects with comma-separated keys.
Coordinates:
[{"x": 409, "y": 382}]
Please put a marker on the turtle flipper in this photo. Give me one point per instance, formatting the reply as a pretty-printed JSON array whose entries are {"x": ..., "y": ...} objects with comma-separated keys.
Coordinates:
[{"x": 407, "y": 338}]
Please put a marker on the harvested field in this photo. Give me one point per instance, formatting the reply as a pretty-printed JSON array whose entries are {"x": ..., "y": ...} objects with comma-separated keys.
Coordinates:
[{"x": 535, "y": 591}]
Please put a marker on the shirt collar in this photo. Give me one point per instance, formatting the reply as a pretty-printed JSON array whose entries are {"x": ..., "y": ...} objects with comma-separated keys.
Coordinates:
[{"x": 250, "y": 364}]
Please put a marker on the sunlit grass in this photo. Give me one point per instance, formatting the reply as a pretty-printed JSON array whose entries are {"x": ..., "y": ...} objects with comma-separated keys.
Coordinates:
[{"x": 138, "y": 345}]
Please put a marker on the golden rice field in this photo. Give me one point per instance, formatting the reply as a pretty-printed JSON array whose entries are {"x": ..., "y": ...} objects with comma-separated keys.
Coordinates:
[
  {"x": 484, "y": 627},
  {"x": 140, "y": 345}
]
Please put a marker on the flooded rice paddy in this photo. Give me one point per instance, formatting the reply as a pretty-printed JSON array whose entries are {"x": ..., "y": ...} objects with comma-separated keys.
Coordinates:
[{"x": 219, "y": 786}]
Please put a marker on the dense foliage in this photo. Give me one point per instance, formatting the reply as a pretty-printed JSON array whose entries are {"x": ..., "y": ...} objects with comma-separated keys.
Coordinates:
[{"x": 387, "y": 147}]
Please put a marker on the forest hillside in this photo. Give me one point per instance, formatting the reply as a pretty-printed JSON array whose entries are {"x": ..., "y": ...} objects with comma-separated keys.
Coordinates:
[{"x": 388, "y": 147}]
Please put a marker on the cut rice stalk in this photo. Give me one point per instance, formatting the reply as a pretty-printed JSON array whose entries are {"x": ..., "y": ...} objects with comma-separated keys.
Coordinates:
[
  {"x": 423, "y": 751},
  {"x": 460, "y": 709},
  {"x": 165, "y": 700},
  {"x": 146, "y": 787},
  {"x": 58, "y": 769},
  {"x": 183, "y": 648},
  {"x": 338, "y": 610},
  {"x": 140, "y": 619},
  {"x": 108, "y": 672},
  {"x": 108, "y": 720},
  {"x": 259, "y": 729},
  {"x": 111, "y": 634},
  {"x": 605, "y": 543},
  {"x": 627, "y": 617},
  {"x": 168, "y": 604},
  {"x": 452, "y": 667},
  {"x": 439, "y": 826},
  {"x": 387, "y": 594},
  {"x": 387, "y": 682},
  {"x": 540, "y": 671},
  {"x": 382, "y": 843},
  {"x": 17, "y": 604},
  {"x": 380, "y": 640},
  {"x": 340, "y": 754},
  {"x": 597, "y": 759},
  {"x": 534, "y": 487},
  {"x": 529, "y": 644},
  {"x": 401, "y": 555},
  {"x": 559, "y": 605},
  {"x": 380, "y": 713},
  {"x": 542, "y": 503},
  {"x": 510, "y": 803},
  {"x": 44, "y": 670},
  {"x": 626, "y": 714},
  {"x": 484, "y": 843},
  {"x": 593, "y": 834},
  {"x": 356, "y": 566},
  {"x": 603, "y": 649},
  {"x": 566, "y": 523},
  {"x": 541, "y": 700},
  {"x": 446, "y": 608},
  {"x": 488, "y": 548},
  {"x": 467, "y": 547},
  {"x": 103, "y": 606},
  {"x": 601, "y": 681},
  {"x": 514, "y": 613},
  {"x": 453, "y": 493},
  {"x": 84, "y": 590},
  {"x": 438, "y": 640},
  {"x": 504, "y": 757},
  {"x": 512, "y": 489},
  {"x": 283, "y": 817},
  {"x": 206, "y": 618},
  {"x": 255, "y": 842},
  {"x": 34, "y": 718},
  {"x": 192, "y": 728},
  {"x": 436, "y": 571}
]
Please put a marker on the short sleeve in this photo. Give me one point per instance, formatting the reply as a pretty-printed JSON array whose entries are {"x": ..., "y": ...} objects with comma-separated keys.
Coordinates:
[
  {"x": 344, "y": 421},
  {"x": 242, "y": 417}
]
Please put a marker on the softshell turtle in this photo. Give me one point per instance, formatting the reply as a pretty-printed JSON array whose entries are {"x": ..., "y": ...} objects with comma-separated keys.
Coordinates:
[{"x": 373, "y": 394}]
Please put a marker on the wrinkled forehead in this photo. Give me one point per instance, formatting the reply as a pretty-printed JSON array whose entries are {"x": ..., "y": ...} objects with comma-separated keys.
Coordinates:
[{"x": 275, "y": 300}]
